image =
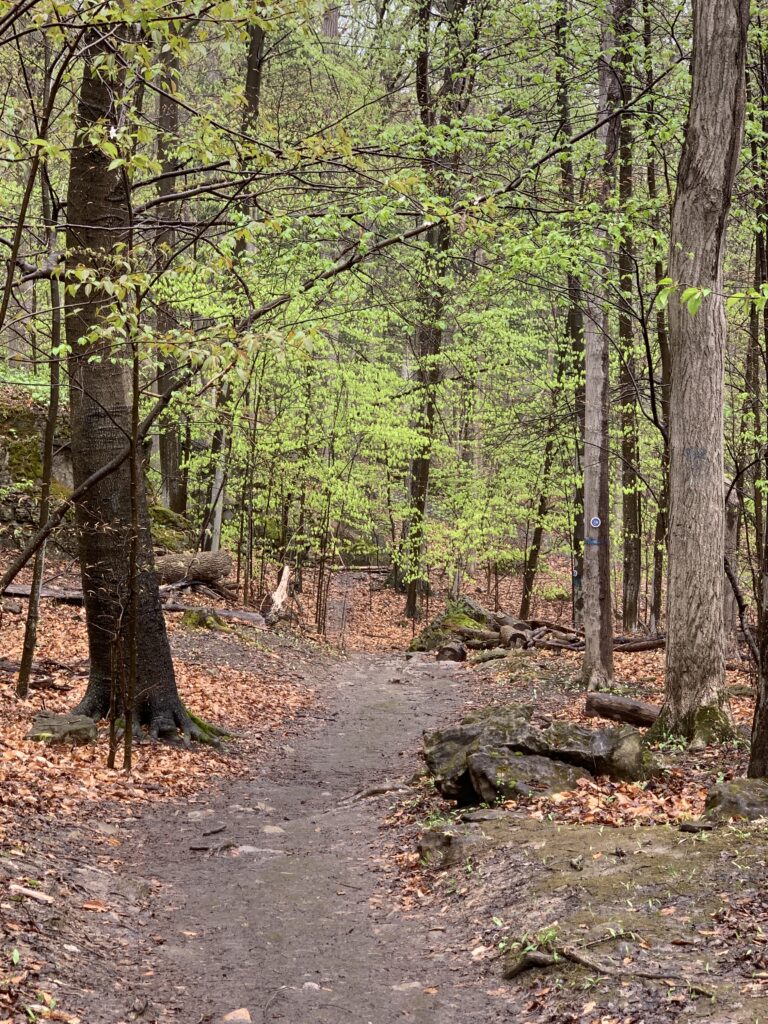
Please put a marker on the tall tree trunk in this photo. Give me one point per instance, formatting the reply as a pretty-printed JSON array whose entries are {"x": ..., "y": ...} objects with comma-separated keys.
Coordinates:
[
  {"x": 758, "y": 759},
  {"x": 575, "y": 315},
  {"x": 696, "y": 704},
  {"x": 437, "y": 109},
  {"x": 597, "y": 668},
  {"x": 429, "y": 338},
  {"x": 100, "y": 416},
  {"x": 630, "y": 449},
  {"x": 49, "y": 439},
  {"x": 173, "y": 482},
  {"x": 662, "y": 339},
  {"x": 534, "y": 551}
]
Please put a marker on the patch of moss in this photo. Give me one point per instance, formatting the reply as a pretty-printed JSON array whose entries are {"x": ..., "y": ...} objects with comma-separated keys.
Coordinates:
[
  {"x": 701, "y": 728},
  {"x": 169, "y": 529},
  {"x": 203, "y": 618},
  {"x": 457, "y": 615},
  {"x": 59, "y": 491}
]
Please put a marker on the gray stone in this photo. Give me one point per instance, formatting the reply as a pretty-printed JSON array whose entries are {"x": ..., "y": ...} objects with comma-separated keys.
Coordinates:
[
  {"x": 740, "y": 798},
  {"x": 498, "y": 774},
  {"x": 50, "y": 728},
  {"x": 474, "y": 759},
  {"x": 448, "y": 848},
  {"x": 617, "y": 752},
  {"x": 446, "y": 750}
]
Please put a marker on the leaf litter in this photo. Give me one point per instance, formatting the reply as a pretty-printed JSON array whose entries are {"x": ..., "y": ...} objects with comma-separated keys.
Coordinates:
[{"x": 250, "y": 682}]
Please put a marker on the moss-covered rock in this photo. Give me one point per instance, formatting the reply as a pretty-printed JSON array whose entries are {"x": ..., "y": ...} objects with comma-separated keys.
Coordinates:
[
  {"x": 739, "y": 798},
  {"x": 170, "y": 530},
  {"x": 461, "y": 614},
  {"x": 477, "y": 759},
  {"x": 51, "y": 728},
  {"x": 497, "y": 773},
  {"x": 20, "y": 429},
  {"x": 203, "y": 618}
]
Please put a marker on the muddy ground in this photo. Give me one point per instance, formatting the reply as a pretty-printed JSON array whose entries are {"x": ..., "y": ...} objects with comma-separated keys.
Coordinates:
[{"x": 298, "y": 894}]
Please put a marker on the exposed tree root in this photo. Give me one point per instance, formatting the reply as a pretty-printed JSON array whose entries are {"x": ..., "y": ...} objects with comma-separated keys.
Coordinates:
[
  {"x": 541, "y": 959},
  {"x": 166, "y": 723},
  {"x": 701, "y": 727},
  {"x": 208, "y": 728}
]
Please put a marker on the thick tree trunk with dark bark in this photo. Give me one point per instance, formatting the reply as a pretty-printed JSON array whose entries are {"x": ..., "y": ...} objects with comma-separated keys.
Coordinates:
[
  {"x": 696, "y": 703},
  {"x": 100, "y": 413},
  {"x": 428, "y": 341}
]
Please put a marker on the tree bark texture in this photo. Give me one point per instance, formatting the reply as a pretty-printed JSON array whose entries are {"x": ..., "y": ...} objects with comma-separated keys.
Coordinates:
[
  {"x": 534, "y": 551},
  {"x": 630, "y": 449},
  {"x": 173, "y": 481},
  {"x": 696, "y": 704},
  {"x": 597, "y": 669},
  {"x": 100, "y": 414},
  {"x": 575, "y": 315},
  {"x": 661, "y": 388}
]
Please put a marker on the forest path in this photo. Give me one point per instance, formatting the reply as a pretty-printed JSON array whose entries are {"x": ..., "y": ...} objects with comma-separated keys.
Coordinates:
[{"x": 279, "y": 921}]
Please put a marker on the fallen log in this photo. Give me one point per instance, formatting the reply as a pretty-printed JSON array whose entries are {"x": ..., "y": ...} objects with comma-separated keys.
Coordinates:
[
  {"x": 76, "y": 597},
  {"x": 557, "y": 645},
  {"x": 560, "y": 627},
  {"x": 510, "y": 620},
  {"x": 209, "y": 567},
  {"x": 63, "y": 595},
  {"x": 509, "y": 635},
  {"x": 620, "y": 709},
  {"x": 253, "y": 618},
  {"x": 492, "y": 655},
  {"x": 650, "y": 644}
]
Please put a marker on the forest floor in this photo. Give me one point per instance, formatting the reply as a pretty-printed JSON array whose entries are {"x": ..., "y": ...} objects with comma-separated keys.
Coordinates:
[{"x": 282, "y": 877}]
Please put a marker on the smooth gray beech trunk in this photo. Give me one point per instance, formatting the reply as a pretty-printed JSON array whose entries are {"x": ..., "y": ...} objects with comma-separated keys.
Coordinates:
[
  {"x": 696, "y": 704},
  {"x": 597, "y": 668}
]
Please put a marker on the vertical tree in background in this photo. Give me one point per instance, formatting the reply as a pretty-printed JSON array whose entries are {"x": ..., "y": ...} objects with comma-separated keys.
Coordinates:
[
  {"x": 597, "y": 667},
  {"x": 172, "y": 475},
  {"x": 575, "y": 315},
  {"x": 660, "y": 404},
  {"x": 440, "y": 107},
  {"x": 695, "y": 700},
  {"x": 630, "y": 454}
]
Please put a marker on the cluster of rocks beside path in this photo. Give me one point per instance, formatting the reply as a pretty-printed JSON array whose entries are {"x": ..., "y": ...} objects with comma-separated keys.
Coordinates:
[{"x": 496, "y": 753}]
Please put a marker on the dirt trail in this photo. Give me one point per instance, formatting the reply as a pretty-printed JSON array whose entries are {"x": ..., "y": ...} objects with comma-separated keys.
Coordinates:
[{"x": 278, "y": 920}]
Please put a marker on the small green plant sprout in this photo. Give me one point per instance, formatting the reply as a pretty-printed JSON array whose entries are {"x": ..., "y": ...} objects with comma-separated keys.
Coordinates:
[{"x": 544, "y": 940}]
